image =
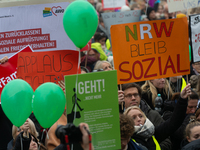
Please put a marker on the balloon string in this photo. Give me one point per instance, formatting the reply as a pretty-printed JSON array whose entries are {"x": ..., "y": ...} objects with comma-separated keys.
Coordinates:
[
  {"x": 42, "y": 134},
  {"x": 147, "y": 7},
  {"x": 76, "y": 84},
  {"x": 21, "y": 142},
  {"x": 47, "y": 136},
  {"x": 42, "y": 137}
]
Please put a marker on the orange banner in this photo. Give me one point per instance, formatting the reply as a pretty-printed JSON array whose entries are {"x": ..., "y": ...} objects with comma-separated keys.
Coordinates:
[
  {"x": 151, "y": 49},
  {"x": 40, "y": 67}
]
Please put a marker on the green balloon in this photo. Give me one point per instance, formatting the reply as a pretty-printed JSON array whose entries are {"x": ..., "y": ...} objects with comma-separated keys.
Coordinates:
[
  {"x": 80, "y": 22},
  {"x": 16, "y": 99},
  {"x": 48, "y": 104}
]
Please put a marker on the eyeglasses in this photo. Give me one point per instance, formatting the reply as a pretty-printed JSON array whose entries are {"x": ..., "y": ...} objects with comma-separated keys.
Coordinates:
[
  {"x": 197, "y": 63},
  {"x": 192, "y": 107},
  {"x": 130, "y": 95}
]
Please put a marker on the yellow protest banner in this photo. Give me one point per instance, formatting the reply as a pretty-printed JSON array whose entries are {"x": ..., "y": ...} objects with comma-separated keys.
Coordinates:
[{"x": 151, "y": 49}]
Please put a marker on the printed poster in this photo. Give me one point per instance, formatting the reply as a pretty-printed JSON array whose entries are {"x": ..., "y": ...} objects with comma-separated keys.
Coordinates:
[
  {"x": 40, "y": 26},
  {"x": 97, "y": 105},
  {"x": 40, "y": 67},
  {"x": 150, "y": 50},
  {"x": 195, "y": 37},
  {"x": 8, "y": 70}
]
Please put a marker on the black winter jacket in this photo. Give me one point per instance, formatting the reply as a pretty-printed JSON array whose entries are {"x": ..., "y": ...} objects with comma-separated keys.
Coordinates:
[{"x": 167, "y": 128}]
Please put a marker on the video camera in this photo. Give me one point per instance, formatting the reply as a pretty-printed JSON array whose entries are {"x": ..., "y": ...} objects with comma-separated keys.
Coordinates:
[{"x": 74, "y": 133}]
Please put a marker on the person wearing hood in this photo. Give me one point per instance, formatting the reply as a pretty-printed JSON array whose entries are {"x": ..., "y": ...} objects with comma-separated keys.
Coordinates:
[
  {"x": 149, "y": 135},
  {"x": 99, "y": 51},
  {"x": 93, "y": 55}
]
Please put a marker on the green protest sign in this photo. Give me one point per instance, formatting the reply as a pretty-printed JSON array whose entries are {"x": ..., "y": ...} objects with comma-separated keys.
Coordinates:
[{"x": 97, "y": 105}]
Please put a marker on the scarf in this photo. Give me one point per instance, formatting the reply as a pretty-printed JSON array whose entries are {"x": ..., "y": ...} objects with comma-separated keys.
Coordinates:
[{"x": 146, "y": 130}]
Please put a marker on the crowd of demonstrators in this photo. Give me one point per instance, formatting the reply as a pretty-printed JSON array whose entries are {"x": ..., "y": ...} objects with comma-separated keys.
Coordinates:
[
  {"x": 145, "y": 130},
  {"x": 141, "y": 126},
  {"x": 131, "y": 96}
]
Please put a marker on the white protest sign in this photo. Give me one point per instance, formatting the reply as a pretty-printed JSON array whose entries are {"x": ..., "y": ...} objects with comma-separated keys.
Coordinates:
[
  {"x": 113, "y": 4},
  {"x": 195, "y": 36},
  {"x": 178, "y": 5},
  {"x": 113, "y": 18},
  {"x": 40, "y": 26},
  {"x": 11, "y": 3}
]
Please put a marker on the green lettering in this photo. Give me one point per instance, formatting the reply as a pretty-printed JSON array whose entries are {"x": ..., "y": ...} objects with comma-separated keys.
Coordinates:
[{"x": 128, "y": 31}]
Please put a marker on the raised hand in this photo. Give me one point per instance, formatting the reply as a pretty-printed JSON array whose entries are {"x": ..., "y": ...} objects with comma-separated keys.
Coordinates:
[
  {"x": 120, "y": 96},
  {"x": 186, "y": 92}
]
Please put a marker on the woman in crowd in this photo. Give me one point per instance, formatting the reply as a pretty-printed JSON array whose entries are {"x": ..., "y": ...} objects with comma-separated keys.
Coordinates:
[
  {"x": 103, "y": 65},
  {"x": 145, "y": 130},
  {"x": 27, "y": 132},
  {"x": 192, "y": 133},
  {"x": 152, "y": 88}
]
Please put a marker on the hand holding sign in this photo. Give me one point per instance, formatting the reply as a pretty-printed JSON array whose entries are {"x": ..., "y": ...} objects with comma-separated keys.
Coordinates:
[
  {"x": 80, "y": 22},
  {"x": 16, "y": 99},
  {"x": 48, "y": 104}
]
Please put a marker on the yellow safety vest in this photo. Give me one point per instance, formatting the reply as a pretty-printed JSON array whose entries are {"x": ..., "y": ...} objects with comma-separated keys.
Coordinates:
[
  {"x": 155, "y": 141},
  {"x": 183, "y": 84}
]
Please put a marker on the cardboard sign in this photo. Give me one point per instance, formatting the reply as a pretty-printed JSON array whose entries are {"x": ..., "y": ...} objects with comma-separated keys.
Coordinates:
[
  {"x": 42, "y": 30},
  {"x": 178, "y": 5},
  {"x": 40, "y": 67},
  {"x": 149, "y": 50},
  {"x": 113, "y": 18},
  {"x": 97, "y": 105},
  {"x": 195, "y": 37},
  {"x": 9, "y": 69},
  {"x": 113, "y": 4}
]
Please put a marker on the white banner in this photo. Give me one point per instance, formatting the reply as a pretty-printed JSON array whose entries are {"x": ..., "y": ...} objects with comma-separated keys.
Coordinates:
[
  {"x": 195, "y": 36},
  {"x": 40, "y": 26},
  {"x": 178, "y": 5},
  {"x": 113, "y": 4}
]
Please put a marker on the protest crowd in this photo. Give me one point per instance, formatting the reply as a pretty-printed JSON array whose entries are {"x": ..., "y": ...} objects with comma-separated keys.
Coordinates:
[{"x": 157, "y": 114}]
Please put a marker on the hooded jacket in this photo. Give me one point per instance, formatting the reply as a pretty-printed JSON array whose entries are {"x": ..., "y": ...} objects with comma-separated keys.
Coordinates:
[
  {"x": 97, "y": 47},
  {"x": 194, "y": 145}
]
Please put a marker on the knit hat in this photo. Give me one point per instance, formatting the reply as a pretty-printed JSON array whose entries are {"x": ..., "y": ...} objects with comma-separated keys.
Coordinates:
[
  {"x": 149, "y": 10},
  {"x": 97, "y": 47},
  {"x": 99, "y": 35}
]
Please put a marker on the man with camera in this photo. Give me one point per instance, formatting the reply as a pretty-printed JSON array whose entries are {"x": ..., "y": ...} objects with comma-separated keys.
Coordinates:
[{"x": 71, "y": 134}]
